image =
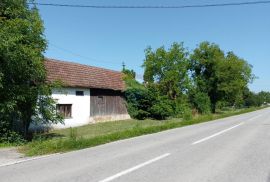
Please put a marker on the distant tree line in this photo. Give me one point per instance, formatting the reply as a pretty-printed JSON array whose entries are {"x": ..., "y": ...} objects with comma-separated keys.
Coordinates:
[
  {"x": 256, "y": 99},
  {"x": 179, "y": 83}
]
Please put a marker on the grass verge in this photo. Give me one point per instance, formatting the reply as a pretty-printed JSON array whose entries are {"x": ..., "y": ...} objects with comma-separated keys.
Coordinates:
[
  {"x": 131, "y": 129},
  {"x": 6, "y": 145}
]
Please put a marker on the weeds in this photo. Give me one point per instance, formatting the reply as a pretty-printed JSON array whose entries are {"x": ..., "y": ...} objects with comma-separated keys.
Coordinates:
[
  {"x": 73, "y": 133},
  {"x": 73, "y": 142}
]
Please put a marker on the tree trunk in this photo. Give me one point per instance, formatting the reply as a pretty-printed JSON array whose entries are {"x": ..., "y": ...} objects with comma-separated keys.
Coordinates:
[
  {"x": 27, "y": 115},
  {"x": 213, "y": 107}
]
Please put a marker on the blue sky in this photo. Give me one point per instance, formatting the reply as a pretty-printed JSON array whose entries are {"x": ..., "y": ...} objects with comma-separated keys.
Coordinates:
[{"x": 107, "y": 37}]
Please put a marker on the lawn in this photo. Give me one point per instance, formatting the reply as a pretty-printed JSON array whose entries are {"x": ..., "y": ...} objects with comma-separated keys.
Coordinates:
[
  {"x": 96, "y": 134},
  {"x": 99, "y": 129}
]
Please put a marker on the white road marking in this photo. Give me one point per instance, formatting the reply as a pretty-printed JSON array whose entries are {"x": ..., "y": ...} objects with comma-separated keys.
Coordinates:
[
  {"x": 216, "y": 134},
  {"x": 26, "y": 160},
  {"x": 134, "y": 168},
  {"x": 255, "y": 117}
]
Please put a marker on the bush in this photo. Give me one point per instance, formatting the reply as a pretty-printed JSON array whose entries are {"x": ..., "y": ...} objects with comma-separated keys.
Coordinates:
[
  {"x": 162, "y": 108},
  {"x": 183, "y": 109},
  {"x": 136, "y": 113},
  {"x": 8, "y": 133},
  {"x": 187, "y": 114},
  {"x": 221, "y": 104},
  {"x": 144, "y": 103},
  {"x": 201, "y": 102},
  {"x": 11, "y": 137},
  {"x": 138, "y": 103}
]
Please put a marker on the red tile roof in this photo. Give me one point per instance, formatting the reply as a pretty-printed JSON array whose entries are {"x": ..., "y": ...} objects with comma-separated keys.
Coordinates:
[{"x": 78, "y": 75}]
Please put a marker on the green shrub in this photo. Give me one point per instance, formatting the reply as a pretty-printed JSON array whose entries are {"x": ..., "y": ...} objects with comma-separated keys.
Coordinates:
[
  {"x": 162, "y": 108},
  {"x": 11, "y": 137},
  {"x": 182, "y": 109},
  {"x": 187, "y": 114},
  {"x": 144, "y": 103},
  {"x": 201, "y": 102},
  {"x": 221, "y": 104},
  {"x": 138, "y": 102}
]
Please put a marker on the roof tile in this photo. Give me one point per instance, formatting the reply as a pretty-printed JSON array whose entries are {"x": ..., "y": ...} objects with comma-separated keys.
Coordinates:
[{"x": 78, "y": 75}]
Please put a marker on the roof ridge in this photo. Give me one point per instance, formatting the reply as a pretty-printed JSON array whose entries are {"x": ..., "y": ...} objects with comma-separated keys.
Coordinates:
[{"x": 80, "y": 64}]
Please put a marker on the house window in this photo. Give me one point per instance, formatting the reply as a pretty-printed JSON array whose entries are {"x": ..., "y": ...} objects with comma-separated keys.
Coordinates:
[
  {"x": 79, "y": 93},
  {"x": 64, "y": 109}
]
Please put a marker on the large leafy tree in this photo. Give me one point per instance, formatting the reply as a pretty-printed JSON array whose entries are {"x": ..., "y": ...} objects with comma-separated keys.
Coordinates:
[
  {"x": 233, "y": 77},
  {"x": 222, "y": 77},
  {"x": 23, "y": 92},
  {"x": 205, "y": 62},
  {"x": 167, "y": 70}
]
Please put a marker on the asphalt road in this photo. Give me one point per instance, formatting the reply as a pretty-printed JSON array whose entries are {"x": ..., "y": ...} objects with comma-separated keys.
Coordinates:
[{"x": 235, "y": 149}]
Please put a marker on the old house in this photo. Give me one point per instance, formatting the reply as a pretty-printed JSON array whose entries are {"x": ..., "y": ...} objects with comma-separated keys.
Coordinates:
[{"x": 89, "y": 94}]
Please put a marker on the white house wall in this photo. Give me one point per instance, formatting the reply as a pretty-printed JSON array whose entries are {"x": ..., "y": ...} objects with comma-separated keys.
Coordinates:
[{"x": 80, "y": 112}]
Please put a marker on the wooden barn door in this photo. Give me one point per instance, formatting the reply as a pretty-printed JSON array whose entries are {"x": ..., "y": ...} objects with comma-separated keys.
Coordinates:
[{"x": 106, "y": 102}]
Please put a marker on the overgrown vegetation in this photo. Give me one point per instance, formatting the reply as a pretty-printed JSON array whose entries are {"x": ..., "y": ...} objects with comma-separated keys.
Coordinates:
[
  {"x": 24, "y": 95},
  {"x": 178, "y": 83},
  {"x": 101, "y": 133}
]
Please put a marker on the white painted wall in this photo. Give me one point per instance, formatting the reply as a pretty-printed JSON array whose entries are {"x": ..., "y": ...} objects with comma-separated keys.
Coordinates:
[{"x": 80, "y": 106}]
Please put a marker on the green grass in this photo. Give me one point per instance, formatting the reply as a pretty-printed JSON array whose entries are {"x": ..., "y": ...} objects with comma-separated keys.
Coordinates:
[
  {"x": 93, "y": 130},
  {"x": 101, "y": 133},
  {"x": 5, "y": 145}
]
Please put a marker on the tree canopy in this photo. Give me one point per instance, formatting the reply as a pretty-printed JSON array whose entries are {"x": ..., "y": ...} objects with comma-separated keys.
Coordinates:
[
  {"x": 24, "y": 94},
  {"x": 180, "y": 82},
  {"x": 222, "y": 76},
  {"x": 168, "y": 70}
]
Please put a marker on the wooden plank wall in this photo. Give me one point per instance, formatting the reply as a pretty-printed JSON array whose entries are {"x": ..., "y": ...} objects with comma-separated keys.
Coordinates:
[{"x": 106, "y": 102}]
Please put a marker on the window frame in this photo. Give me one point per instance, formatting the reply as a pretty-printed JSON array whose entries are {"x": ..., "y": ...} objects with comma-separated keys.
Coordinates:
[{"x": 66, "y": 114}]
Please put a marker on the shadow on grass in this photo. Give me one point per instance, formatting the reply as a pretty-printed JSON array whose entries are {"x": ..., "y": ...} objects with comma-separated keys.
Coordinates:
[{"x": 47, "y": 136}]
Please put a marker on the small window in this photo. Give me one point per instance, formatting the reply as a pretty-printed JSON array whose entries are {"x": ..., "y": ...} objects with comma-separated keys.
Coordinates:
[
  {"x": 79, "y": 93},
  {"x": 64, "y": 109},
  {"x": 100, "y": 100}
]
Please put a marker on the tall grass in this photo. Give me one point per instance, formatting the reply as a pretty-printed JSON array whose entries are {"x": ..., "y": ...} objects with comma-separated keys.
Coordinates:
[
  {"x": 4, "y": 145},
  {"x": 73, "y": 142}
]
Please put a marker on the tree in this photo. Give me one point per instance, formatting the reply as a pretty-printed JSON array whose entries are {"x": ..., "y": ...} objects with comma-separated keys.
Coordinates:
[
  {"x": 24, "y": 94},
  {"x": 264, "y": 97},
  {"x": 233, "y": 77},
  {"x": 251, "y": 99},
  {"x": 168, "y": 70},
  {"x": 205, "y": 62},
  {"x": 222, "y": 77},
  {"x": 129, "y": 73}
]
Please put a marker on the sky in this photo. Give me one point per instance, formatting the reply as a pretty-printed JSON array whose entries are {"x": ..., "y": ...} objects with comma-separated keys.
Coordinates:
[{"x": 107, "y": 37}]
